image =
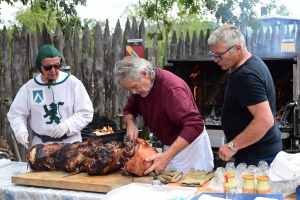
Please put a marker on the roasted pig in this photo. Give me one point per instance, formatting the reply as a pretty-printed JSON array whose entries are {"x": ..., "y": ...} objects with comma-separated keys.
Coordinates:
[
  {"x": 71, "y": 157},
  {"x": 104, "y": 158},
  {"x": 42, "y": 157},
  {"x": 134, "y": 154}
]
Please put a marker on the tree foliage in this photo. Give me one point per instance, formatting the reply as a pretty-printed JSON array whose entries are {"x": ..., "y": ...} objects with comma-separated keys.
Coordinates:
[
  {"x": 64, "y": 10},
  {"x": 31, "y": 16},
  {"x": 68, "y": 6},
  {"x": 283, "y": 10},
  {"x": 25, "y": 16},
  {"x": 238, "y": 12},
  {"x": 179, "y": 21}
]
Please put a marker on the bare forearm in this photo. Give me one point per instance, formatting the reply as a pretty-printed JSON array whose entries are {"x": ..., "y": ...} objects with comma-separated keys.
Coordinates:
[
  {"x": 128, "y": 119},
  {"x": 262, "y": 121},
  {"x": 253, "y": 133},
  {"x": 132, "y": 129}
]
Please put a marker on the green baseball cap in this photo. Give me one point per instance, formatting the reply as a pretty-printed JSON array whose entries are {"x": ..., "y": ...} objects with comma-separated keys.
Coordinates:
[{"x": 46, "y": 51}]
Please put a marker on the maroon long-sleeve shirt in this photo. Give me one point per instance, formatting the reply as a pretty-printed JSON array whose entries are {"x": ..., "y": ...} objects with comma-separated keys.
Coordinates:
[{"x": 169, "y": 110}]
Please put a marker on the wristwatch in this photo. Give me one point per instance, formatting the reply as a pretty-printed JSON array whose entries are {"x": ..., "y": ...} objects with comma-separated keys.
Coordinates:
[{"x": 230, "y": 145}]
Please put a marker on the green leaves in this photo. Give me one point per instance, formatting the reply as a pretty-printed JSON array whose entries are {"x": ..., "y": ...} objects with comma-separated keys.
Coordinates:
[
  {"x": 10, "y": 2},
  {"x": 283, "y": 10},
  {"x": 237, "y": 12},
  {"x": 150, "y": 11},
  {"x": 267, "y": 8},
  {"x": 67, "y": 6},
  {"x": 25, "y": 16},
  {"x": 210, "y": 5}
]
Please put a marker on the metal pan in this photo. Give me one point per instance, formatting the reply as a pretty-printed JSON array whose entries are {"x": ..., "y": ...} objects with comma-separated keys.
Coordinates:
[{"x": 116, "y": 136}]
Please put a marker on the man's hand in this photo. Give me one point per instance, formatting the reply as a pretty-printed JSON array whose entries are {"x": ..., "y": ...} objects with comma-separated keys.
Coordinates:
[
  {"x": 132, "y": 131},
  {"x": 225, "y": 153},
  {"x": 23, "y": 139},
  {"x": 59, "y": 130},
  {"x": 160, "y": 162}
]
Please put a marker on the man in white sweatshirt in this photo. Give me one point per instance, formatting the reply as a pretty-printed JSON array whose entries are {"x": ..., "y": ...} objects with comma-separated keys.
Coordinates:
[{"x": 55, "y": 103}]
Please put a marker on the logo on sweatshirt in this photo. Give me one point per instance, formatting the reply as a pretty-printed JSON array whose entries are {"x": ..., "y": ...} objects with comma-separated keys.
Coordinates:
[
  {"x": 53, "y": 112},
  {"x": 38, "y": 96}
]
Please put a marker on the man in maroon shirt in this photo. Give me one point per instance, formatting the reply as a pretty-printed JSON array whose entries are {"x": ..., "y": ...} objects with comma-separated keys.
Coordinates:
[{"x": 167, "y": 105}]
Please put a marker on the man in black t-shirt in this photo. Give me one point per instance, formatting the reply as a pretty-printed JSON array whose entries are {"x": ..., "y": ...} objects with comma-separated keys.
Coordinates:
[{"x": 248, "y": 115}]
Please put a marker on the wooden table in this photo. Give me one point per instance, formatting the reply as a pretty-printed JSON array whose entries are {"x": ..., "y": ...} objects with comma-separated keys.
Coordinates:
[{"x": 205, "y": 189}]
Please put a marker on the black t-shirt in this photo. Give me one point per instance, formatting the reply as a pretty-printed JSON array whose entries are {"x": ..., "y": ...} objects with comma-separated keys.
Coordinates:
[{"x": 250, "y": 84}]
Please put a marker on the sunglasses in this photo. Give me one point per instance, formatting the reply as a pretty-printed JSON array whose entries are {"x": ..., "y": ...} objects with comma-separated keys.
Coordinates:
[{"x": 49, "y": 67}]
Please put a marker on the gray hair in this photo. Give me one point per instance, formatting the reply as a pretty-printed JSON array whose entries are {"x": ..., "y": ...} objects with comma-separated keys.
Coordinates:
[
  {"x": 131, "y": 67},
  {"x": 228, "y": 34}
]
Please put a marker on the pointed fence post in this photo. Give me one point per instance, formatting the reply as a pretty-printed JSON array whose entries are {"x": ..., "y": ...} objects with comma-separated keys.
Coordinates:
[
  {"x": 98, "y": 71},
  {"x": 107, "y": 71},
  {"x": 180, "y": 47},
  {"x": 77, "y": 57},
  {"x": 46, "y": 39},
  {"x": 187, "y": 45},
  {"x": 166, "y": 56},
  {"x": 194, "y": 46},
  {"x": 68, "y": 48},
  {"x": 59, "y": 42},
  {"x": 117, "y": 54},
  {"x": 173, "y": 46},
  {"x": 201, "y": 43},
  {"x": 86, "y": 61}
]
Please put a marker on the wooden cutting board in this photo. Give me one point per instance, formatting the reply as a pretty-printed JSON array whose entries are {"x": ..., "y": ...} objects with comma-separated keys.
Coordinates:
[{"x": 82, "y": 181}]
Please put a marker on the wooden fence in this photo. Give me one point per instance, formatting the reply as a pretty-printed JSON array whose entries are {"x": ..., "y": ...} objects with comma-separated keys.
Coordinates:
[
  {"x": 95, "y": 70},
  {"x": 265, "y": 42}
]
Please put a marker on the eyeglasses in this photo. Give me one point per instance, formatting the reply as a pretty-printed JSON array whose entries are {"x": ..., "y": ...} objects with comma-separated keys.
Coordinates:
[
  {"x": 219, "y": 57},
  {"x": 49, "y": 67}
]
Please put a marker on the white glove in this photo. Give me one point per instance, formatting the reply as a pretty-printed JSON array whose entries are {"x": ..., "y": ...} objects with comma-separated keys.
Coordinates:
[
  {"x": 23, "y": 139},
  {"x": 59, "y": 130}
]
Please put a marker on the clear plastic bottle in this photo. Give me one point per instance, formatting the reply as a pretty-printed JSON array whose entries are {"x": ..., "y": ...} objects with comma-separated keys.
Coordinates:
[
  {"x": 229, "y": 181},
  {"x": 262, "y": 185},
  {"x": 248, "y": 184}
]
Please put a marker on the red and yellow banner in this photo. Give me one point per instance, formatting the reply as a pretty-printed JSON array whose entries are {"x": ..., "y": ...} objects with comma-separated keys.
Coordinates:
[{"x": 135, "y": 51}]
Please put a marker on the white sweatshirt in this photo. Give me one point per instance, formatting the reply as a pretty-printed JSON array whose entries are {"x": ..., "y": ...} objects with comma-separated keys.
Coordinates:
[{"x": 46, "y": 106}]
